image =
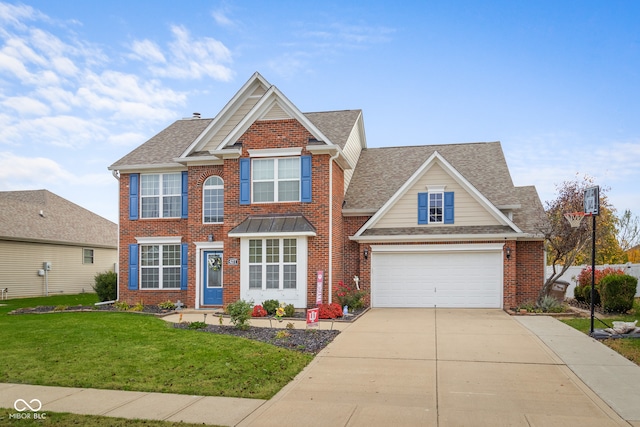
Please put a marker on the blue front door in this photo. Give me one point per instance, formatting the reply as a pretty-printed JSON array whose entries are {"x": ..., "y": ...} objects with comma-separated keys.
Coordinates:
[{"x": 212, "y": 286}]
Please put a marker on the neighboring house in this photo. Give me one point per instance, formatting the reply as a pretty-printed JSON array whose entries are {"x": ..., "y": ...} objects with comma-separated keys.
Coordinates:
[
  {"x": 38, "y": 227},
  {"x": 254, "y": 203}
]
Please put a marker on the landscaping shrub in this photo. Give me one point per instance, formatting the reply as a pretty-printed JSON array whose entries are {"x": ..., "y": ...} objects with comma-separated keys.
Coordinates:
[
  {"x": 618, "y": 292},
  {"x": 167, "y": 305},
  {"x": 549, "y": 304},
  {"x": 350, "y": 296},
  {"x": 271, "y": 305},
  {"x": 240, "y": 313},
  {"x": 258, "y": 311},
  {"x": 289, "y": 310},
  {"x": 582, "y": 291},
  {"x": 105, "y": 285},
  {"x": 329, "y": 311}
]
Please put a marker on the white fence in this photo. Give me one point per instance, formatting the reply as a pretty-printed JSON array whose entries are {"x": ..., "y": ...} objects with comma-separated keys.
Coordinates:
[{"x": 572, "y": 273}]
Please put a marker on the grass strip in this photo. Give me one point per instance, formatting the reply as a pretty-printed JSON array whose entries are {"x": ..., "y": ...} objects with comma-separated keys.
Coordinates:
[{"x": 8, "y": 417}]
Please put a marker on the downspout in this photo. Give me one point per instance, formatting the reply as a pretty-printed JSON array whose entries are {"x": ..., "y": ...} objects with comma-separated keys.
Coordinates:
[
  {"x": 116, "y": 175},
  {"x": 330, "y": 282}
]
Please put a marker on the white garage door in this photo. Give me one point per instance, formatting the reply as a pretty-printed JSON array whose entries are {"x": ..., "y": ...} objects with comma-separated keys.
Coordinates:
[{"x": 411, "y": 276}]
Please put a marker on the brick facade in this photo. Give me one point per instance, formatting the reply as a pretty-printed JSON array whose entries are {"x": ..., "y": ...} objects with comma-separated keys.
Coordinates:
[{"x": 523, "y": 272}]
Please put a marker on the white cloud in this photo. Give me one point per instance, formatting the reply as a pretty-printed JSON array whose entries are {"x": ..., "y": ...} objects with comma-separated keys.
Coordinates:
[
  {"x": 221, "y": 18},
  {"x": 22, "y": 173},
  {"x": 14, "y": 15},
  {"x": 148, "y": 51},
  {"x": 195, "y": 58},
  {"x": 26, "y": 106}
]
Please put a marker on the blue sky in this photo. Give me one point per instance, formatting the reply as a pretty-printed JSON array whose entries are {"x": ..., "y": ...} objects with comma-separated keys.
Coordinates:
[{"x": 557, "y": 82}]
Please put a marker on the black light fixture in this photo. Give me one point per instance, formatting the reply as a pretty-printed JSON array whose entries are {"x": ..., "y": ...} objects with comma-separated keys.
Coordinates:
[
  {"x": 508, "y": 252},
  {"x": 366, "y": 253}
]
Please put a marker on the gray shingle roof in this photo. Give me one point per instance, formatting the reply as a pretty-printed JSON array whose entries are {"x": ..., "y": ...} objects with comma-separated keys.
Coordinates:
[
  {"x": 531, "y": 213},
  {"x": 426, "y": 231},
  {"x": 336, "y": 125},
  {"x": 380, "y": 172},
  {"x": 61, "y": 221},
  {"x": 165, "y": 146},
  {"x": 175, "y": 139}
]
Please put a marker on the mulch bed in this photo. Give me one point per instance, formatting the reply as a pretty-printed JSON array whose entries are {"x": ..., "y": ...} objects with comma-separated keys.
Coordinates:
[{"x": 303, "y": 340}]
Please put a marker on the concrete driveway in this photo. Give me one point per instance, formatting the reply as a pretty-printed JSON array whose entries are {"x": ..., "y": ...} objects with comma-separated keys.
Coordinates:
[{"x": 428, "y": 367}]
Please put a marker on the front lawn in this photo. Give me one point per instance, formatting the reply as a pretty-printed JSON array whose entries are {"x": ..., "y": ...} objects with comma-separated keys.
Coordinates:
[
  {"x": 130, "y": 351},
  {"x": 628, "y": 347}
]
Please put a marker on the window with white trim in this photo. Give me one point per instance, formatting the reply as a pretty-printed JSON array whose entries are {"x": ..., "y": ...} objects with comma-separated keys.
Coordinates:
[
  {"x": 87, "y": 256},
  {"x": 160, "y": 195},
  {"x": 273, "y": 263},
  {"x": 213, "y": 200},
  {"x": 436, "y": 207},
  {"x": 159, "y": 266},
  {"x": 276, "y": 180}
]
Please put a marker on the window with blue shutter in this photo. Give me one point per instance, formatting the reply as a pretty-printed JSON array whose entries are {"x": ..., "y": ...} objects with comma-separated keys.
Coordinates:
[
  {"x": 184, "y": 266},
  {"x": 134, "y": 186},
  {"x": 423, "y": 208},
  {"x": 448, "y": 207},
  {"x": 185, "y": 194},
  {"x": 245, "y": 181},
  {"x": 305, "y": 179},
  {"x": 133, "y": 267}
]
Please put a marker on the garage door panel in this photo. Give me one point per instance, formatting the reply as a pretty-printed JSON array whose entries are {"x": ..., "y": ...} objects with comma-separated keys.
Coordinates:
[{"x": 442, "y": 279}]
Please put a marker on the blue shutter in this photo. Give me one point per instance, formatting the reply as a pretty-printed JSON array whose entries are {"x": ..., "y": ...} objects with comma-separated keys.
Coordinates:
[
  {"x": 423, "y": 208},
  {"x": 185, "y": 194},
  {"x": 245, "y": 181},
  {"x": 184, "y": 264},
  {"x": 448, "y": 207},
  {"x": 133, "y": 267},
  {"x": 134, "y": 186},
  {"x": 305, "y": 179}
]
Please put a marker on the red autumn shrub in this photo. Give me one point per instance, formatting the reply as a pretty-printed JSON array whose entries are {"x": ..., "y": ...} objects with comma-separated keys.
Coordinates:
[
  {"x": 258, "y": 311},
  {"x": 329, "y": 311},
  {"x": 584, "y": 278}
]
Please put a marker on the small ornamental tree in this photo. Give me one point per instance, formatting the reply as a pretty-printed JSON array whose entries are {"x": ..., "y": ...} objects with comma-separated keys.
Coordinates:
[{"x": 563, "y": 243}]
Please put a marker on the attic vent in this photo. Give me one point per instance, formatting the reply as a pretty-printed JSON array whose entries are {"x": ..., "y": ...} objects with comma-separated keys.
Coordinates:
[{"x": 196, "y": 115}]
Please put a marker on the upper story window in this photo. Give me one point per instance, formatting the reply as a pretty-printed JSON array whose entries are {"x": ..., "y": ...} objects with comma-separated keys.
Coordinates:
[
  {"x": 160, "y": 195},
  {"x": 213, "y": 200},
  {"x": 436, "y": 207},
  {"x": 276, "y": 180}
]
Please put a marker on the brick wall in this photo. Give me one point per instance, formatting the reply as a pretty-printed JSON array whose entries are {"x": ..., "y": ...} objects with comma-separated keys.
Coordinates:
[
  {"x": 262, "y": 134},
  {"x": 530, "y": 271}
]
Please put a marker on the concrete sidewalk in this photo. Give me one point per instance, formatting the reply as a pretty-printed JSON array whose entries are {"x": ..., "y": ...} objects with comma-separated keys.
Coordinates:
[{"x": 411, "y": 367}]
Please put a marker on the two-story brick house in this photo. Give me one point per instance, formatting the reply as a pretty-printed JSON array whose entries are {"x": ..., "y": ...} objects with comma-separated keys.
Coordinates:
[{"x": 254, "y": 203}]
